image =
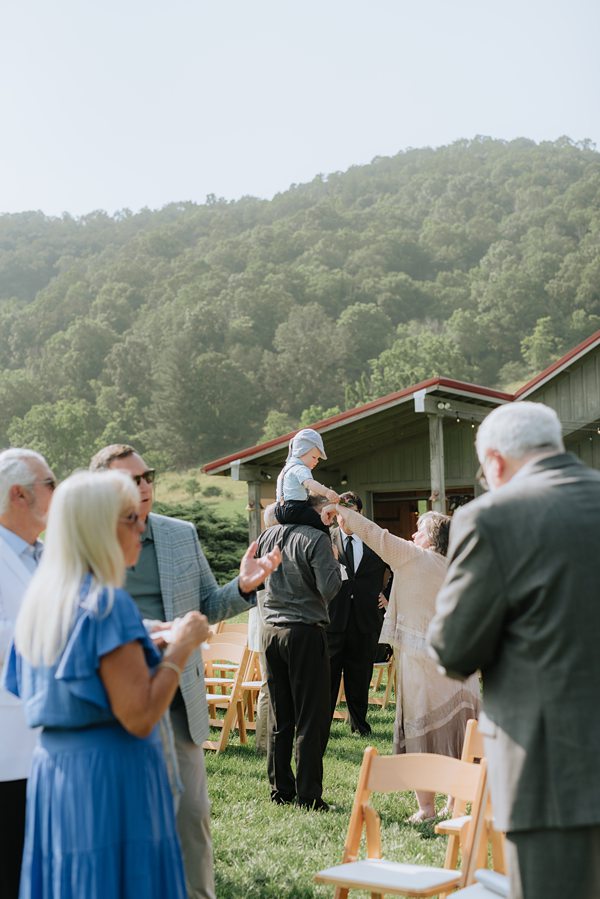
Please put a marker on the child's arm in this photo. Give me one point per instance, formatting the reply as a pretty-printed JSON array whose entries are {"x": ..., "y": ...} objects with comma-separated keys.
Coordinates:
[{"x": 320, "y": 490}]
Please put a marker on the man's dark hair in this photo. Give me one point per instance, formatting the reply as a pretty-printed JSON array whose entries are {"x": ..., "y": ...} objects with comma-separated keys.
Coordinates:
[
  {"x": 105, "y": 456},
  {"x": 352, "y": 498}
]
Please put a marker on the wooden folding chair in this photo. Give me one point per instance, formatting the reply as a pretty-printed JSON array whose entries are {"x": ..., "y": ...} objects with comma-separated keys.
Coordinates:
[
  {"x": 473, "y": 751},
  {"x": 379, "y": 668},
  {"x": 413, "y": 771},
  {"x": 488, "y": 885},
  {"x": 237, "y": 654},
  {"x": 250, "y": 690},
  {"x": 232, "y": 627},
  {"x": 222, "y": 673},
  {"x": 340, "y": 714}
]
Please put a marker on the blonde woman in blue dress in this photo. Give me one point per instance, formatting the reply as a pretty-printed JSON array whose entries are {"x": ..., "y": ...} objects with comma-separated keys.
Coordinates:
[{"x": 100, "y": 819}]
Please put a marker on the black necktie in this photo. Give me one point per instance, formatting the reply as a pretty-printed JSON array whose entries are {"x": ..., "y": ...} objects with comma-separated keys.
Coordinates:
[{"x": 350, "y": 556}]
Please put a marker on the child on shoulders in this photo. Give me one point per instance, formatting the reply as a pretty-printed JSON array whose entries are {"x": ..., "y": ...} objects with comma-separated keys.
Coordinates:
[{"x": 295, "y": 481}]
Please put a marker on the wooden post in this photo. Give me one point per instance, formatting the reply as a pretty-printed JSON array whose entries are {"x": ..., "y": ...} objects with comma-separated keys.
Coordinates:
[
  {"x": 254, "y": 510},
  {"x": 436, "y": 462}
]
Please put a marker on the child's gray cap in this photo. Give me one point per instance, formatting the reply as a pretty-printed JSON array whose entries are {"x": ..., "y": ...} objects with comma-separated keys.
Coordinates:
[{"x": 305, "y": 440}]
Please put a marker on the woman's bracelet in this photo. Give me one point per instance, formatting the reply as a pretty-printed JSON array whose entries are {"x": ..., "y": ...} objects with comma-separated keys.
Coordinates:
[{"x": 167, "y": 664}]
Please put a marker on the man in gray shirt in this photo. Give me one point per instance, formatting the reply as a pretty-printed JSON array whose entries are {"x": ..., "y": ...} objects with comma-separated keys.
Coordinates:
[{"x": 295, "y": 613}]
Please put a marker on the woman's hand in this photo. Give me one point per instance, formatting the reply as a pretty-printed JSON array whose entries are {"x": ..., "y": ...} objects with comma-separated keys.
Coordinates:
[
  {"x": 191, "y": 630},
  {"x": 328, "y": 513}
]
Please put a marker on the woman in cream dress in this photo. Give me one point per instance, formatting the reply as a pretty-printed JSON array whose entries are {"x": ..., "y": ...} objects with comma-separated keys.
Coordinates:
[{"x": 431, "y": 710}]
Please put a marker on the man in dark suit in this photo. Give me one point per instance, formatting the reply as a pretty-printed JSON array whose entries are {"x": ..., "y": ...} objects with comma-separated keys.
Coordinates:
[
  {"x": 356, "y": 616},
  {"x": 520, "y": 602}
]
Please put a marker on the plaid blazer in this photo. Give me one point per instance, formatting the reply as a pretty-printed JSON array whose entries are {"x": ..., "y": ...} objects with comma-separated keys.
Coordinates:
[{"x": 187, "y": 584}]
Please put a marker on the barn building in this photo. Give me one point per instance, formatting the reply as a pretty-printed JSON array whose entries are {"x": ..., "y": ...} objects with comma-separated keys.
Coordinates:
[{"x": 413, "y": 450}]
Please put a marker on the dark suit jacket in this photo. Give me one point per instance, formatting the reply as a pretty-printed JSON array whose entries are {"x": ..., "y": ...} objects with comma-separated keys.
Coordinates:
[
  {"x": 521, "y": 602},
  {"x": 360, "y": 592}
]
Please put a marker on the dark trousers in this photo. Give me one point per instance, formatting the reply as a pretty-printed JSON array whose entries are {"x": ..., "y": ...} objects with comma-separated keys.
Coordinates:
[
  {"x": 12, "y": 835},
  {"x": 298, "y": 679},
  {"x": 298, "y": 511},
  {"x": 554, "y": 864},
  {"x": 353, "y": 654}
]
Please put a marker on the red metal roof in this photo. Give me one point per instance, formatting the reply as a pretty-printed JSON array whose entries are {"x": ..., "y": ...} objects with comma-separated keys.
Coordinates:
[{"x": 358, "y": 412}]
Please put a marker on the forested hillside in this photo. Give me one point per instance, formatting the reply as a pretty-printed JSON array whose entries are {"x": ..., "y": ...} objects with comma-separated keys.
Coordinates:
[{"x": 194, "y": 330}]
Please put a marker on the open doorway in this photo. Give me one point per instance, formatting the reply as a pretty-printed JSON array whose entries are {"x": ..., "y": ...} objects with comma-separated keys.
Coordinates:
[{"x": 398, "y": 512}]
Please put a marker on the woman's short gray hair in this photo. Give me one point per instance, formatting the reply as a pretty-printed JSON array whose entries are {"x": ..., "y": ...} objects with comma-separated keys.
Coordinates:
[
  {"x": 437, "y": 527},
  {"x": 15, "y": 468},
  {"x": 519, "y": 429}
]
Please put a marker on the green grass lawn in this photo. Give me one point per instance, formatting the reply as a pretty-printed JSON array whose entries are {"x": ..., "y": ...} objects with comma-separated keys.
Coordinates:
[
  {"x": 263, "y": 850},
  {"x": 184, "y": 486}
]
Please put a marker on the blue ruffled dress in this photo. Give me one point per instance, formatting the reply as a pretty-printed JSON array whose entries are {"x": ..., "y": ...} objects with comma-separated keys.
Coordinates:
[{"x": 100, "y": 822}]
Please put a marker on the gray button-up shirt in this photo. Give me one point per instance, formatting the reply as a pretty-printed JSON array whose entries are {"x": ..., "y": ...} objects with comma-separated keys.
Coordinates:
[{"x": 306, "y": 581}]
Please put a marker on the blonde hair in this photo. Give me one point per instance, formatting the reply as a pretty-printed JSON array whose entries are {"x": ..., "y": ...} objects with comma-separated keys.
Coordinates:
[{"x": 82, "y": 539}]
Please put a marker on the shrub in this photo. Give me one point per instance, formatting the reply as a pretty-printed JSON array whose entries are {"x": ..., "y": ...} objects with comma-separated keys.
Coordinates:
[{"x": 224, "y": 540}]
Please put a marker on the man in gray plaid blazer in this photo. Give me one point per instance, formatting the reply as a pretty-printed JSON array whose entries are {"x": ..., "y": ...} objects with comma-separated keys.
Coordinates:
[{"x": 172, "y": 577}]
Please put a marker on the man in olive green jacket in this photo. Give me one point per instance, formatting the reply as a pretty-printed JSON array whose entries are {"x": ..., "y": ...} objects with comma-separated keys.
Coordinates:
[{"x": 520, "y": 602}]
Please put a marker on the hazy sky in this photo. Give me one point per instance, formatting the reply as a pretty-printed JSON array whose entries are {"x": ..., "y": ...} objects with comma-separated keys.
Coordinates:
[{"x": 107, "y": 104}]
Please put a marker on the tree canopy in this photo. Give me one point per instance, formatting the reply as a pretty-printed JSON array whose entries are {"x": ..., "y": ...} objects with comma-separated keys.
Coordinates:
[{"x": 194, "y": 330}]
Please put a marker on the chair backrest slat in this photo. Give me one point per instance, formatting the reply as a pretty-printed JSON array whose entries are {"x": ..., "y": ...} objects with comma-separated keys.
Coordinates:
[
  {"x": 423, "y": 771},
  {"x": 224, "y": 651}
]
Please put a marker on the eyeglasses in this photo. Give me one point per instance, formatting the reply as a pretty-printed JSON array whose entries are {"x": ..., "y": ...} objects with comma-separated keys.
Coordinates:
[
  {"x": 131, "y": 519},
  {"x": 148, "y": 476},
  {"x": 481, "y": 478}
]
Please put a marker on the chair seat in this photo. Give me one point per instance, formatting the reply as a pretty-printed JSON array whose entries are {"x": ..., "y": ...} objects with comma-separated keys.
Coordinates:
[
  {"x": 490, "y": 885},
  {"x": 477, "y": 891},
  {"x": 379, "y": 875},
  {"x": 453, "y": 825}
]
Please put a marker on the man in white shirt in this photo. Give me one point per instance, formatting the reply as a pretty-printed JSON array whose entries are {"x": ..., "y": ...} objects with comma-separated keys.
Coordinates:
[{"x": 26, "y": 487}]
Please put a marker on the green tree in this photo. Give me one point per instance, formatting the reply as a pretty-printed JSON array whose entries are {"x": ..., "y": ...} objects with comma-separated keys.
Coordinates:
[
  {"x": 64, "y": 432},
  {"x": 316, "y": 413},
  {"x": 541, "y": 347},
  {"x": 19, "y": 391},
  {"x": 362, "y": 332},
  {"x": 415, "y": 355},
  {"x": 206, "y": 407},
  {"x": 276, "y": 424},
  {"x": 307, "y": 364}
]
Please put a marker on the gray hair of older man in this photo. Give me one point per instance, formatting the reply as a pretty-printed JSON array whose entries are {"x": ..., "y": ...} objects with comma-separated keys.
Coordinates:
[
  {"x": 517, "y": 430},
  {"x": 15, "y": 468},
  {"x": 269, "y": 515}
]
